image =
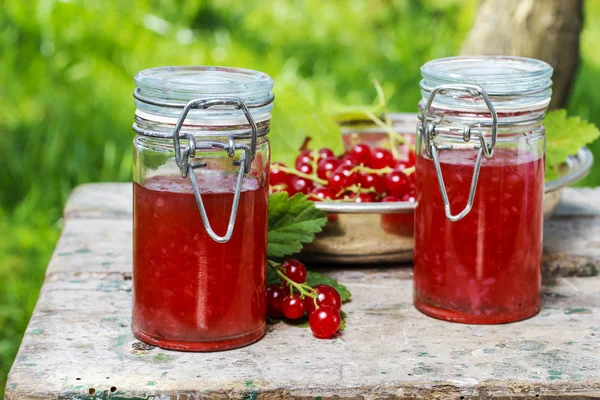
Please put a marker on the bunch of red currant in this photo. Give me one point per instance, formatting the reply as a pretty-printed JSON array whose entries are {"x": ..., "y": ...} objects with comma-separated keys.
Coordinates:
[
  {"x": 361, "y": 175},
  {"x": 321, "y": 303}
]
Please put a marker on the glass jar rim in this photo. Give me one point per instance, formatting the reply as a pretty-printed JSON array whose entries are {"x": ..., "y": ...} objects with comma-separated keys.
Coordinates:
[
  {"x": 163, "y": 91},
  {"x": 498, "y": 75},
  {"x": 191, "y": 82}
]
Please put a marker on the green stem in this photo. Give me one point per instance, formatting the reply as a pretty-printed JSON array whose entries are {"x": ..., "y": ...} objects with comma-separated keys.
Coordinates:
[
  {"x": 292, "y": 171},
  {"x": 293, "y": 285}
]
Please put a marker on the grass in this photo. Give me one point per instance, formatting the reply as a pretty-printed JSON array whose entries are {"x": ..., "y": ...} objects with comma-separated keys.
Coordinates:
[{"x": 66, "y": 81}]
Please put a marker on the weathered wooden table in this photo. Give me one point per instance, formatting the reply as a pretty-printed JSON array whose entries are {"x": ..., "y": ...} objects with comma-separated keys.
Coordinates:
[{"x": 79, "y": 344}]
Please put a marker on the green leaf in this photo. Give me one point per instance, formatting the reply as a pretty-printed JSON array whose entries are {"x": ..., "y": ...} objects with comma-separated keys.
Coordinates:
[
  {"x": 292, "y": 221},
  {"x": 300, "y": 112},
  {"x": 314, "y": 278},
  {"x": 564, "y": 136}
]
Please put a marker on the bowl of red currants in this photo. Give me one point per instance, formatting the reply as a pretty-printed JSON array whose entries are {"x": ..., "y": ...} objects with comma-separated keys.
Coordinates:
[{"x": 368, "y": 192}]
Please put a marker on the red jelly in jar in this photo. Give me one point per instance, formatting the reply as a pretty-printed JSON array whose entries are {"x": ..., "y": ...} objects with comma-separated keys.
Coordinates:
[
  {"x": 200, "y": 213},
  {"x": 480, "y": 189}
]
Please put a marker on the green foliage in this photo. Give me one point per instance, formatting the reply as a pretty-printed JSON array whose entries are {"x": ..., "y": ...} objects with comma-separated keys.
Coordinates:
[
  {"x": 292, "y": 221},
  {"x": 564, "y": 136}
]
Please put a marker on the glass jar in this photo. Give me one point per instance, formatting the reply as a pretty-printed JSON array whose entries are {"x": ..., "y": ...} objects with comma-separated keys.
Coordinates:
[
  {"x": 200, "y": 192},
  {"x": 480, "y": 188}
]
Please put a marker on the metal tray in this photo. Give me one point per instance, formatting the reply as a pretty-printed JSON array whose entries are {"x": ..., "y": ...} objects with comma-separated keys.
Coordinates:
[{"x": 383, "y": 232}]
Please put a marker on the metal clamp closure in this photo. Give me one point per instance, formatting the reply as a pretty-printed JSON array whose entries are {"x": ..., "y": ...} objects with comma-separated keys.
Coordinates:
[
  {"x": 431, "y": 130},
  {"x": 186, "y": 167}
]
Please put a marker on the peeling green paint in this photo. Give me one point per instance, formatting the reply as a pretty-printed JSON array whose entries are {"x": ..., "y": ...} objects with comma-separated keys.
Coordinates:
[
  {"x": 489, "y": 351},
  {"x": 383, "y": 373},
  {"x": 421, "y": 371},
  {"x": 83, "y": 250},
  {"x": 249, "y": 383},
  {"x": 66, "y": 253},
  {"x": 569, "y": 311},
  {"x": 164, "y": 374},
  {"x": 163, "y": 357},
  {"x": 150, "y": 383},
  {"x": 554, "y": 374},
  {"x": 106, "y": 263},
  {"x": 10, "y": 387},
  {"x": 119, "y": 341},
  {"x": 34, "y": 331},
  {"x": 425, "y": 354},
  {"x": 252, "y": 395}
]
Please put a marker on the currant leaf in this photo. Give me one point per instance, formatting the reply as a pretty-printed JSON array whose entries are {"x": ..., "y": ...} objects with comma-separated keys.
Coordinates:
[{"x": 292, "y": 221}]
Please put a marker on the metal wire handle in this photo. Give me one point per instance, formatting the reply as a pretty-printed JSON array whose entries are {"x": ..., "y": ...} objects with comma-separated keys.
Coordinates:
[
  {"x": 430, "y": 131},
  {"x": 187, "y": 168}
]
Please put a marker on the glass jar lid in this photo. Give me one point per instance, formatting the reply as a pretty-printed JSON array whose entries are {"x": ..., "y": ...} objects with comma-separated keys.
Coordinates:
[
  {"x": 512, "y": 83},
  {"x": 162, "y": 92}
]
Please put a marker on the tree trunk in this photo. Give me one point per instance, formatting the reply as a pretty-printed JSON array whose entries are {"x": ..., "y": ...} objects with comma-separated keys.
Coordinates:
[{"x": 544, "y": 29}]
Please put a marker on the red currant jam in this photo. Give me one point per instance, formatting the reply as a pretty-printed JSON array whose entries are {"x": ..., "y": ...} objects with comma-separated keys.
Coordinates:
[
  {"x": 486, "y": 267},
  {"x": 190, "y": 292}
]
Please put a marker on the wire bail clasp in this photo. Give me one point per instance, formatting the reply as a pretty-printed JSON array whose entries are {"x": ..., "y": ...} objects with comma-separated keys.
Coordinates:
[
  {"x": 186, "y": 166},
  {"x": 430, "y": 131}
]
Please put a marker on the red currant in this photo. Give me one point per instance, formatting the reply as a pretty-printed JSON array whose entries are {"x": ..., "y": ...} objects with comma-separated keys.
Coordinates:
[
  {"x": 305, "y": 157},
  {"x": 292, "y": 306},
  {"x": 397, "y": 183},
  {"x": 364, "y": 197},
  {"x": 320, "y": 194},
  {"x": 305, "y": 168},
  {"x": 390, "y": 199},
  {"x": 326, "y": 296},
  {"x": 381, "y": 158},
  {"x": 275, "y": 294},
  {"x": 374, "y": 181},
  {"x": 294, "y": 270},
  {"x": 342, "y": 178},
  {"x": 411, "y": 158},
  {"x": 401, "y": 164},
  {"x": 362, "y": 153},
  {"x": 349, "y": 159},
  {"x": 326, "y": 166},
  {"x": 408, "y": 197},
  {"x": 300, "y": 185},
  {"x": 325, "y": 322},
  {"x": 325, "y": 153},
  {"x": 277, "y": 176}
]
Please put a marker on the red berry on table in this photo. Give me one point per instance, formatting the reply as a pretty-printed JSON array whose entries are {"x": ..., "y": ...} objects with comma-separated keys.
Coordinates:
[
  {"x": 305, "y": 168},
  {"x": 390, "y": 199},
  {"x": 275, "y": 294},
  {"x": 326, "y": 296},
  {"x": 300, "y": 185},
  {"x": 292, "y": 306},
  {"x": 325, "y": 322},
  {"x": 320, "y": 194},
  {"x": 381, "y": 158},
  {"x": 305, "y": 157},
  {"x": 362, "y": 153},
  {"x": 326, "y": 166},
  {"x": 349, "y": 159},
  {"x": 325, "y": 153},
  {"x": 374, "y": 181},
  {"x": 294, "y": 270},
  {"x": 277, "y": 176},
  {"x": 397, "y": 183}
]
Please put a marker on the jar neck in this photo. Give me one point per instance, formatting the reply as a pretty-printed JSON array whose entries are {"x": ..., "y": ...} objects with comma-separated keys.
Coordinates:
[
  {"x": 507, "y": 119},
  {"x": 161, "y": 129}
]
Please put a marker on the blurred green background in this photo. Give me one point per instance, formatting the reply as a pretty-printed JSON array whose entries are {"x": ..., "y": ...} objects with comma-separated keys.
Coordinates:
[{"x": 66, "y": 77}]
